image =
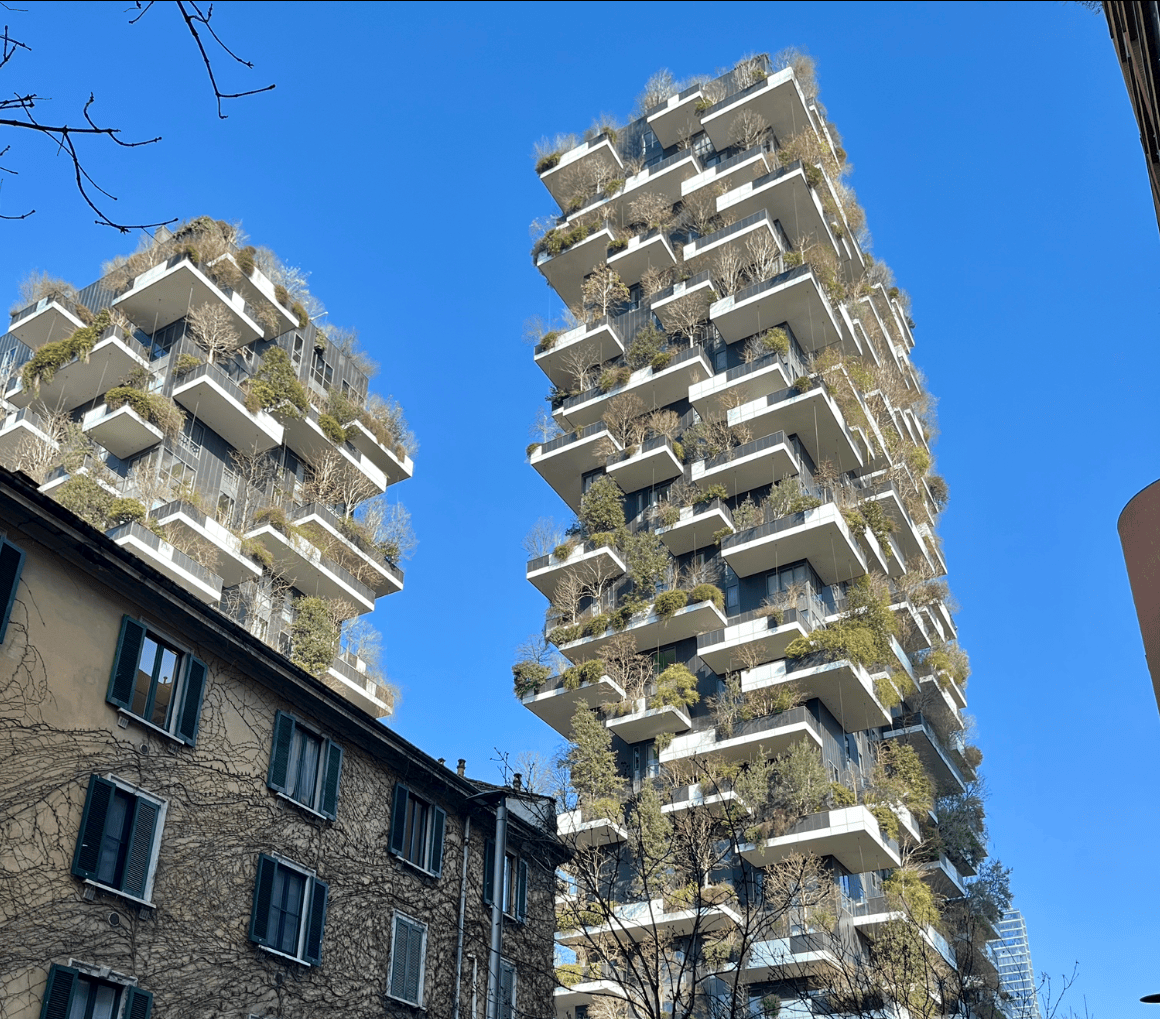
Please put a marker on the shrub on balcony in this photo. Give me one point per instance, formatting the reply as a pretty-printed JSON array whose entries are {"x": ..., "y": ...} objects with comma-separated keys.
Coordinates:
[
  {"x": 254, "y": 549},
  {"x": 89, "y": 501},
  {"x": 973, "y": 756},
  {"x": 886, "y": 692},
  {"x": 610, "y": 378},
  {"x": 918, "y": 459},
  {"x": 564, "y": 550},
  {"x": 44, "y": 364},
  {"x": 548, "y": 162},
  {"x": 708, "y": 592},
  {"x": 276, "y": 517},
  {"x": 676, "y": 688},
  {"x": 887, "y": 821},
  {"x": 576, "y": 676},
  {"x": 938, "y": 489},
  {"x": 275, "y": 386},
  {"x": 313, "y": 635},
  {"x": 842, "y": 795},
  {"x": 803, "y": 383},
  {"x": 619, "y": 244},
  {"x": 561, "y": 635},
  {"x": 152, "y": 407},
  {"x": 906, "y": 890},
  {"x": 669, "y": 514},
  {"x": 332, "y": 429},
  {"x": 603, "y": 539},
  {"x": 670, "y": 602},
  {"x": 186, "y": 363},
  {"x": 775, "y": 341},
  {"x": 531, "y": 448},
  {"x": 528, "y": 676},
  {"x": 568, "y": 974},
  {"x": 548, "y": 341},
  {"x": 646, "y": 345},
  {"x": 710, "y": 493},
  {"x": 300, "y": 313},
  {"x": 596, "y": 625},
  {"x": 661, "y": 360},
  {"x": 602, "y": 507}
]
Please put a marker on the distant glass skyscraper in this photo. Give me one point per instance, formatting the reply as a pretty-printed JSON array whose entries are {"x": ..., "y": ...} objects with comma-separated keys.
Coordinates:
[{"x": 1016, "y": 974}]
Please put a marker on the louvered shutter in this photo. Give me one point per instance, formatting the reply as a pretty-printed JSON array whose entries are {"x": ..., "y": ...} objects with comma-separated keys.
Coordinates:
[
  {"x": 412, "y": 988},
  {"x": 522, "y": 892},
  {"x": 263, "y": 893},
  {"x": 489, "y": 871},
  {"x": 332, "y": 755},
  {"x": 187, "y": 724},
  {"x": 507, "y": 990},
  {"x": 138, "y": 1004},
  {"x": 58, "y": 992},
  {"x": 125, "y": 662},
  {"x": 399, "y": 818},
  {"x": 140, "y": 855},
  {"x": 280, "y": 752},
  {"x": 435, "y": 856},
  {"x": 88, "y": 851},
  {"x": 11, "y": 565},
  {"x": 316, "y": 922},
  {"x": 400, "y": 952}
]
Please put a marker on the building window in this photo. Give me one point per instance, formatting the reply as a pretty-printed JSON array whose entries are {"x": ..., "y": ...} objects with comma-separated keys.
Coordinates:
[
  {"x": 408, "y": 960},
  {"x": 11, "y": 566},
  {"x": 507, "y": 990},
  {"x": 515, "y": 882},
  {"x": 305, "y": 766},
  {"x": 156, "y": 682},
  {"x": 296, "y": 353},
  {"x": 417, "y": 831},
  {"x": 119, "y": 836},
  {"x": 71, "y": 994},
  {"x": 289, "y": 911}
]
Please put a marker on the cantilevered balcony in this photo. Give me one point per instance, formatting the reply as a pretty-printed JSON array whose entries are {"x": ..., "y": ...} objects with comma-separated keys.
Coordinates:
[
  {"x": 565, "y": 271},
  {"x": 325, "y": 529},
  {"x": 656, "y": 387},
  {"x": 600, "y": 831},
  {"x": 697, "y": 526},
  {"x": 850, "y": 834},
  {"x": 394, "y": 463},
  {"x": 944, "y": 877},
  {"x": 845, "y": 688},
  {"x": 734, "y": 171},
  {"x": 763, "y": 461},
  {"x": 776, "y": 99},
  {"x": 48, "y": 320},
  {"x": 653, "y": 463},
  {"x": 738, "y": 239},
  {"x": 644, "y": 251},
  {"x": 590, "y": 343},
  {"x": 303, "y": 433},
  {"x": 917, "y": 732},
  {"x": 233, "y": 566},
  {"x": 556, "y": 704},
  {"x": 562, "y": 461},
  {"x": 820, "y": 535},
  {"x": 673, "y": 304},
  {"x": 20, "y": 428},
  {"x": 589, "y": 561},
  {"x": 213, "y": 398},
  {"x": 174, "y": 563},
  {"x": 786, "y": 195},
  {"x": 794, "y": 296},
  {"x": 347, "y": 675},
  {"x": 745, "y": 383},
  {"x": 652, "y": 631},
  {"x": 664, "y": 177},
  {"x": 645, "y": 723},
  {"x": 59, "y": 475},
  {"x": 83, "y": 379},
  {"x": 716, "y": 800},
  {"x": 940, "y": 703},
  {"x": 907, "y": 534},
  {"x": 173, "y": 288},
  {"x": 310, "y": 571},
  {"x": 869, "y": 916},
  {"x": 123, "y": 432},
  {"x": 813, "y": 416},
  {"x": 640, "y": 920},
  {"x": 581, "y": 162},
  {"x": 259, "y": 292},
  {"x": 676, "y": 117},
  {"x": 793, "y": 958},
  {"x": 567, "y": 1000},
  {"x": 752, "y": 638},
  {"x": 769, "y": 735}
]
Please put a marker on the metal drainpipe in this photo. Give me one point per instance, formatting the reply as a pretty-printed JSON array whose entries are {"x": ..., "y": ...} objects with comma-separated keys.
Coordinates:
[
  {"x": 497, "y": 892},
  {"x": 462, "y": 907}
]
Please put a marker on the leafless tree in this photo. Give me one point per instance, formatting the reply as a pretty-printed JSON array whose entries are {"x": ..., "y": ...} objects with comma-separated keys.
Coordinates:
[
  {"x": 255, "y": 470},
  {"x": 213, "y": 330},
  {"x": 543, "y": 536},
  {"x": 764, "y": 254},
  {"x": 688, "y": 312},
  {"x": 623, "y": 416},
  {"x": 650, "y": 210},
  {"x": 333, "y": 480},
  {"x": 654, "y": 280},
  {"x": 729, "y": 270},
  {"x": 602, "y": 290},
  {"x": 699, "y": 210},
  {"x": 749, "y": 128},
  {"x": 578, "y": 364}
]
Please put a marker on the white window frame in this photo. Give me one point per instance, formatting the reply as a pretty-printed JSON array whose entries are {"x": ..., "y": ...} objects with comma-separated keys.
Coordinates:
[{"x": 395, "y": 916}]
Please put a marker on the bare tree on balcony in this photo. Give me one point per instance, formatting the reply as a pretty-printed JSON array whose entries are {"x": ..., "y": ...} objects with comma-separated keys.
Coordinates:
[
  {"x": 729, "y": 269},
  {"x": 749, "y": 128},
  {"x": 602, "y": 290},
  {"x": 577, "y": 363},
  {"x": 212, "y": 328},
  {"x": 653, "y": 280},
  {"x": 699, "y": 210},
  {"x": 687, "y": 313},
  {"x": 764, "y": 254},
  {"x": 255, "y": 469},
  {"x": 333, "y": 480},
  {"x": 651, "y": 211},
  {"x": 624, "y": 418}
]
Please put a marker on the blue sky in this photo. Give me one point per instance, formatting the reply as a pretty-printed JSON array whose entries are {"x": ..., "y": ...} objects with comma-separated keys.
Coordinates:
[{"x": 999, "y": 164}]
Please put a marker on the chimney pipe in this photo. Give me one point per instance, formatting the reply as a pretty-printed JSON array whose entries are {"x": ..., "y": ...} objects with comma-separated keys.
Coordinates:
[{"x": 461, "y": 767}]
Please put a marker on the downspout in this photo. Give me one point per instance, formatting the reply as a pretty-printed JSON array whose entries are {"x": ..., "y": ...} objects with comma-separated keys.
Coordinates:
[
  {"x": 497, "y": 893},
  {"x": 462, "y": 908}
]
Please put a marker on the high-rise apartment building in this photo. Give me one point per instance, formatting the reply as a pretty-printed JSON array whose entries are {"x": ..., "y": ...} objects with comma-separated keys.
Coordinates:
[
  {"x": 1012, "y": 953},
  {"x": 748, "y": 640},
  {"x": 187, "y": 404}
]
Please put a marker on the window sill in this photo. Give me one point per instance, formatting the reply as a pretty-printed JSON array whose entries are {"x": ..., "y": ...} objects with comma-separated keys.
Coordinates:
[
  {"x": 411, "y": 1004},
  {"x": 283, "y": 955},
  {"x": 150, "y": 726},
  {"x": 420, "y": 870},
  {"x": 117, "y": 892},
  {"x": 302, "y": 806}
]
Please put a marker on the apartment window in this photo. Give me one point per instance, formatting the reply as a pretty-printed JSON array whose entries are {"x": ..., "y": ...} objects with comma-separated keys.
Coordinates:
[
  {"x": 507, "y": 990},
  {"x": 662, "y": 659},
  {"x": 289, "y": 910},
  {"x": 71, "y": 994},
  {"x": 119, "y": 837},
  {"x": 515, "y": 882},
  {"x": 11, "y": 566},
  {"x": 296, "y": 352},
  {"x": 408, "y": 960},
  {"x": 304, "y": 766},
  {"x": 417, "y": 831},
  {"x": 156, "y": 682}
]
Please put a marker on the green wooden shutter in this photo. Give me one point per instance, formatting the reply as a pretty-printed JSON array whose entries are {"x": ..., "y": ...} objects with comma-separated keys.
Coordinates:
[
  {"x": 263, "y": 893},
  {"x": 11, "y": 565},
  {"x": 400, "y": 951},
  {"x": 507, "y": 990},
  {"x": 58, "y": 992},
  {"x": 332, "y": 756},
  {"x": 125, "y": 662},
  {"x": 435, "y": 857},
  {"x": 280, "y": 752},
  {"x": 489, "y": 871},
  {"x": 522, "y": 892},
  {"x": 138, "y": 1004},
  {"x": 140, "y": 854},
  {"x": 88, "y": 851},
  {"x": 412, "y": 989},
  {"x": 399, "y": 818},
  {"x": 190, "y": 719},
  {"x": 316, "y": 922}
]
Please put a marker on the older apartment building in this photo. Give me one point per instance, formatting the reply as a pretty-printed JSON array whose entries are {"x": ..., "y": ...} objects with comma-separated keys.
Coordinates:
[{"x": 195, "y": 826}]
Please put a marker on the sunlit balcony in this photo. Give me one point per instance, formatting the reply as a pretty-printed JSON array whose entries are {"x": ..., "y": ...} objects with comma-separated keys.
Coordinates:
[
  {"x": 745, "y": 383},
  {"x": 581, "y": 163},
  {"x": 233, "y": 566},
  {"x": 734, "y": 171},
  {"x": 648, "y": 723},
  {"x": 59, "y": 475},
  {"x": 941, "y": 699},
  {"x": 645, "y": 251},
  {"x": 48, "y": 320},
  {"x": 794, "y": 296},
  {"x": 845, "y": 688},
  {"x": 672, "y": 304},
  {"x": 850, "y": 834},
  {"x": 565, "y": 271},
  {"x": 676, "y": 117},
  {"x": 563, "y": 461},
  {"x": 653, "y": 463},
  {"x": 123, "y": 432},
  {"x": 20, "y": 428},
  {"x": 639, "y": 920},
  {"x": 917, "y": 732},
  {"x": 820, "y": 535},
  {"x": 311, "y": 572},
  {"x": 304, "y": 435},
  {"x": 588, "y": 561},
  {"x": 567, "y": 1000},
  {"x": 395, "y": 465},
  {"x": 587, "y": 344},
  {"x": 776, "y": 99},
  {"x": 869, "y": 916},
  {"x": 751, "y": 639},
  {"x": 768, "y": 735},
  {"x": 83, "y": 379},
  {"x": 763, "y": 461},
  {"x": 652, "y": 631},
  {"x": 175, "y": 564},
  {"x": 697, "y": 526},
  {"x": 944, "y": 877},
  {"x": 555, "y": 704},
  {"x": 792, "y": 958},
  {"x": 575, "y": 831},
  {"x": 173, "y": 288},
  {"x": 656, "y": 387},
  {"x": 326, "y": 530},
  {"x": 259, "y": 292},
  {"x": 214, "y": 399},
  {"x": 738, "y": 239},
  {"x": 909, "y": 540},
  {"x": 813, "y": 416},
  {"x": 347, "y": 675},
  {"x": 664, "y": 177},
  {"x": 716, "y": 800}
]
